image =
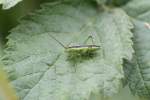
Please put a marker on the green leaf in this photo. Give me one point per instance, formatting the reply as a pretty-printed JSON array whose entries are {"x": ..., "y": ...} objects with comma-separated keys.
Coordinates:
[
  {"x": 101, "y": 1},
  {"x": 112, "y": 2},
  {"x": 38, "y": 65},
  {"x": 9, "y": 3},
  {"x": 119, "y": 2},
  {"x": 1, "y": 47},
  {"x": 137, "y": 71},
  {"x": 125, "y": 94},
  {"x": 138, "y": 9}
]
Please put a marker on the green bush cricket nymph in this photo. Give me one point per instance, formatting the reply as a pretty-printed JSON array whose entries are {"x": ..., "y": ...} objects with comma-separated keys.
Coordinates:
[{"x": 79, "y": 53}]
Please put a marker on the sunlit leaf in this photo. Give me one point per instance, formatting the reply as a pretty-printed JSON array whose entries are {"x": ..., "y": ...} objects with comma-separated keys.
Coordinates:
[{"x": 9, "y": 3}]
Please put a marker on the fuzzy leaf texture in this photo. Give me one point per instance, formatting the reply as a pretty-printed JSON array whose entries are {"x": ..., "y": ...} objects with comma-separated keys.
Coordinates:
[
  {"x": 138, "y": 9},
  {"x": 137, "y": 71},
  {"x": 9, "y": 3},
  {"x": 38, "y": 66}
]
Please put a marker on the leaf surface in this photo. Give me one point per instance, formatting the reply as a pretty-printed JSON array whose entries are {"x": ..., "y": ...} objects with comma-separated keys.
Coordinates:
[
  {"x": 38, "y": 65},
  {"x": 138, "y": 9},
  {"x": 137, "y": 71},
  {"x": 101, "y": 1},
  {"x": 9, "y": 3}
]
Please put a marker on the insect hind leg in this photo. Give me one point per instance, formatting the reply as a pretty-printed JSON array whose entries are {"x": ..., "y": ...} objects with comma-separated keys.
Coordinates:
[{"x": 89, "y": 37}]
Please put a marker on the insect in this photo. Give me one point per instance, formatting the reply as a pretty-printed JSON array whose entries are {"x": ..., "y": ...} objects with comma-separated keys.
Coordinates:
[{"x": 80, "y": 52}]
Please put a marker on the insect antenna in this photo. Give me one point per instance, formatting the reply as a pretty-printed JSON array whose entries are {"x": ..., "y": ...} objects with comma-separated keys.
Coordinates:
[{"x": 57, "y": 41}]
